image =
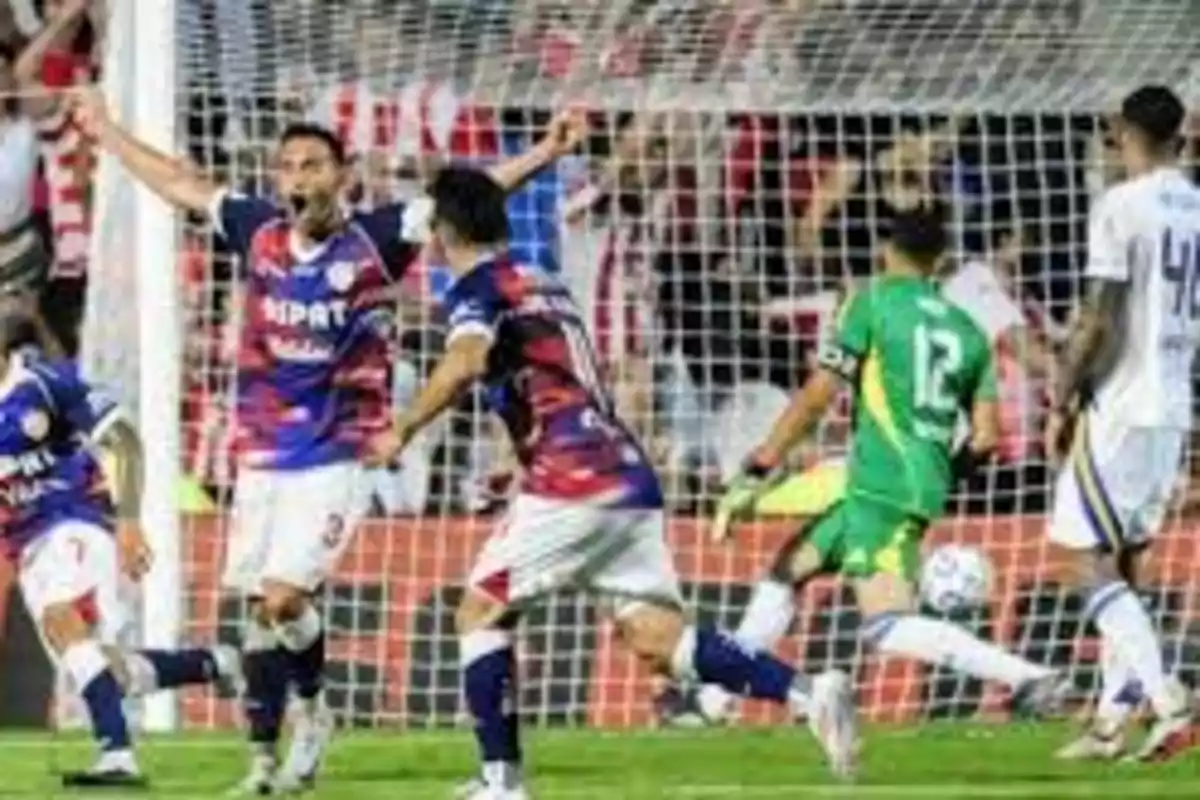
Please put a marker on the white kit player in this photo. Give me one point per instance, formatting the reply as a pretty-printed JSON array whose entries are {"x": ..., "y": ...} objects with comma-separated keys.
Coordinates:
[
  {"x": 1122, "y": 411},
  {"x": 70, "y": 533},
  {"x": 589, "y": 511},
  {"x": 313, "y": 386}
]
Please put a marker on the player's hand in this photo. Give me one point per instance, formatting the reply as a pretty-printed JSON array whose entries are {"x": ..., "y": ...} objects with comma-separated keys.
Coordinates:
[
  {"x": 742, "y": 496},
  {"x": 1060, "y": 431},
  {"x": 385, "y": 448},
  {"x": 133, "y": 552},
  {"x": 565, "y": 132},
  {"x": 89, "y": 110}
]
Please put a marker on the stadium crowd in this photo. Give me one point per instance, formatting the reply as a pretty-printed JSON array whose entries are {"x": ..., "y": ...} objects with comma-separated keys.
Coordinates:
[{"x": 707, "y": 249}]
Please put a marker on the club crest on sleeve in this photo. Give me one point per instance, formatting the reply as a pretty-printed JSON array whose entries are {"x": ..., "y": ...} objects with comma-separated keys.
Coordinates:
[
  {"x": 340, "y": 275},
  {"x": 35, "y": 424}
]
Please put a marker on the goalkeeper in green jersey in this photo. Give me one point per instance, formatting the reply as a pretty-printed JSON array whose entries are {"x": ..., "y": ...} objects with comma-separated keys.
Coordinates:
[{"x": 915, "y": 362}]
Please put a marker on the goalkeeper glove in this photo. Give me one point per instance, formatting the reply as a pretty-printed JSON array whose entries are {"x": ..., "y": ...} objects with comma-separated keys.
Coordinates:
[{"x": 742, "y": 495}]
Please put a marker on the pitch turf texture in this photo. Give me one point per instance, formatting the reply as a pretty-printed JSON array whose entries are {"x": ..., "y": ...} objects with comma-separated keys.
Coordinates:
[{"x": 934, "y": 761}]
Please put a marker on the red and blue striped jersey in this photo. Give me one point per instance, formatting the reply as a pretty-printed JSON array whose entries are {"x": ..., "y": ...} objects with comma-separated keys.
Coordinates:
[
  {"x": 542, "y": 380},
  {"x": 48, "y": 414},
  {"x": 317, "y": 335}
]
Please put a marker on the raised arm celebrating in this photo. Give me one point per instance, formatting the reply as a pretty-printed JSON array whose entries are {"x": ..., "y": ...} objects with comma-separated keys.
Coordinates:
[{"x": 171, "y": 178}]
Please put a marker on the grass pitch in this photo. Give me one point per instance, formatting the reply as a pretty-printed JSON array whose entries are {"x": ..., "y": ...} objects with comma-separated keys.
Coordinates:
[{"x": 932, "y": 761}]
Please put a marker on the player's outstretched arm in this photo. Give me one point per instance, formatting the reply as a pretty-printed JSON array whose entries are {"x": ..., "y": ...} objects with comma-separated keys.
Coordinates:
[
  {"x": 463, "y": 363},
  {"x": 806, "y": 409},
  {"x": 565, "y": 133},
  {"x": 172, "y": 179}
]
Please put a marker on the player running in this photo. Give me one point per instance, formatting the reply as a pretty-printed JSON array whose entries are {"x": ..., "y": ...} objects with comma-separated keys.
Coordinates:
[
  {"x": 589, "y": 513},
  {"x": 915, "y": 362},
  {"x": 313, "y": 385},
  {"x": 70, "y": 539},
  {"x": 1123, "y": 404}
]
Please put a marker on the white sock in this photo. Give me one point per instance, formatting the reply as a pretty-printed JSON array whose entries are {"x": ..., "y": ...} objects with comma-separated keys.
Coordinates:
[
  {"x": 768, "y": 616},
  {"x": 298, "y": 634},
  {"x": 1115, "y": 674},
  {"x": 945, "y": 644},
  {"x": 1124, "y": 623}
]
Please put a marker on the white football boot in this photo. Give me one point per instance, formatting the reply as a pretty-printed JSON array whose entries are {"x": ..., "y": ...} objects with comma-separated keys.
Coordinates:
[
  {"x": 259, "y": 781},
  {"x": 1101, "y": 742},
  {"x": 833, "y": 719},
  {"x": 497, "y": 782}
]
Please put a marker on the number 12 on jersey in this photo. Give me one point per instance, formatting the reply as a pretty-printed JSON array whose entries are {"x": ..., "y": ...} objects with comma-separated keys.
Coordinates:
[{"x": 938, "y": 355}]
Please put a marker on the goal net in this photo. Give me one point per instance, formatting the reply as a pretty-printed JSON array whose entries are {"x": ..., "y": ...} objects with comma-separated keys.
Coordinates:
[{"x": 744, "y": 160}]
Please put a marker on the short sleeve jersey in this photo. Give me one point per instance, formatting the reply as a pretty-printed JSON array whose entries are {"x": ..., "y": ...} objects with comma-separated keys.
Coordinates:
[
  {"x": 542, "y": 380},
  {"x": 316, "y": 340},
  {"x": 915, "y": 363},
  {"x": 48, "y": 414}
]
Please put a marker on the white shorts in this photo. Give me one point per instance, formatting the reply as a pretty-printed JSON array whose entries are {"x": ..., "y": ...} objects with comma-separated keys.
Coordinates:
[
  {"x": 544, "y": 544},
  {"x": 291, "y": 526},
  {"x": 1114, "y": 490},
  {"x": 75, "y": 562}
]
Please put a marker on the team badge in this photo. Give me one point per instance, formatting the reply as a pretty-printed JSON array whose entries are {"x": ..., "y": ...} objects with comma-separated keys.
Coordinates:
[
  {"x": 335, "y": 529},
  {"x": 35, "y": 425},
  {"x": 340, "y": 275}
]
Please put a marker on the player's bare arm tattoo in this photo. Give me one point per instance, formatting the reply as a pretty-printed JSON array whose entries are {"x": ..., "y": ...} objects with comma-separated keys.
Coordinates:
[
  {"x": 1088, "y": 340},
  {"x": 121, "y": 440}
]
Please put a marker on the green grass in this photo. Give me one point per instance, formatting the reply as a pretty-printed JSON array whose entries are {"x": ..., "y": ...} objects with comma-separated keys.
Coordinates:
[{"x": 933, "y": 761}]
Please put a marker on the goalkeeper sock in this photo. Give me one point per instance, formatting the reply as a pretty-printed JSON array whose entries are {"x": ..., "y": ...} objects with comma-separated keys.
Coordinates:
[
  {"x": 265, "y": 664},
  {"x": 715, "y": 657},
  {"x": 303, "y": 639},
  {"x": 767, "y": 617},
  {"x": 1125, "y": 624},
  {"x": 152, "y": 670},
  {"x": 490, "y": 681},
  {"x": 945, "y": 644},
  {"x": 1120, "y": 691},
  {"x": 89, "y": 669}
]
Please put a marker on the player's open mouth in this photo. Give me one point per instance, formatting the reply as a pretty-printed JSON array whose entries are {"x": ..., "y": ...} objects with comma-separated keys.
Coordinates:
[{"x": 298, "y": 204}]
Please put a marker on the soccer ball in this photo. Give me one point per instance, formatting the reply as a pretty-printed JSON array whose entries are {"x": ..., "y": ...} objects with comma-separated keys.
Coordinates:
[{"x": 954, "y": 578}]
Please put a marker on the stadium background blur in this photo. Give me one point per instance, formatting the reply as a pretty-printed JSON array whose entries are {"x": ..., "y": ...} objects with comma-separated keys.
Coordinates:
[{"x": 707, "y": 244}]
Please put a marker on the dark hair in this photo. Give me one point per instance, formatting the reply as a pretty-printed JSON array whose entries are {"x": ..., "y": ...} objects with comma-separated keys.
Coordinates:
[
  {"x": 1156, "y": 112},
  {"x": 311, "y": 130},
  {"x": 920, "y": 233},
  {"x": 8, "y": 53},
  {"x": 471, "y": 203}
]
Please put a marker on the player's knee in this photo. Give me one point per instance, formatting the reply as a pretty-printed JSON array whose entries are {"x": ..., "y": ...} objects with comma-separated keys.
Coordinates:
[
  {"x": 1087, "y": 568},
  {"x": 63, "y": 625},
  {"x": 796, "y": 561},
  {"x": 652, "y": 632},
  {"x": 282, "y": 603}
]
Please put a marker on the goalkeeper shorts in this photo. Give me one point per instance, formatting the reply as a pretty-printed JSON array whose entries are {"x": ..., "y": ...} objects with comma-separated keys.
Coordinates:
[{"x": 860, "y": 537}]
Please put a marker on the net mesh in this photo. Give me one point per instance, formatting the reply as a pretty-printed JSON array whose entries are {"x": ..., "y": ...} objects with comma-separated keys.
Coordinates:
[{"x": 744, "y": 160}]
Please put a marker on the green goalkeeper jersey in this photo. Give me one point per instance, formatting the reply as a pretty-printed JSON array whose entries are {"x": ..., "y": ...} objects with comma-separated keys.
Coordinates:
[{"x": 916, "y": 362}]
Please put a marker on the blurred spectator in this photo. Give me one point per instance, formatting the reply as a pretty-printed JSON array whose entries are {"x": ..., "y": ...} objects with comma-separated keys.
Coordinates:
[
  {"x": 981, "y": 287},
  {"x": 62, "y": 55},
  {"x": 24, "y": 261}
]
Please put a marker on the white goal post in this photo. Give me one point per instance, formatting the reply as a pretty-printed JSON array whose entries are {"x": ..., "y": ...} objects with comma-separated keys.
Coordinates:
[{"x": 745, "y": 157}]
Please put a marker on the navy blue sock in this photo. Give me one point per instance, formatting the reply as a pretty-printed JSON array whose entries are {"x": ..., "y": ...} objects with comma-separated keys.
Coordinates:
[
  {"x": 181, "y": 667},
  {"x": 307, "y": 668},
  {"x": 718, "y": 659},
  {"x": 104, "y": 697},
  {"x": 266, "y": 673},
  {"x": 490, "y": 686}
]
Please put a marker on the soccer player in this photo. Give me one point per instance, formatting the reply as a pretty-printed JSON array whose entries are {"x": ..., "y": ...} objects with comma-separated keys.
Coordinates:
[
  {"x": 70, "y": 538},
  {"x": 915, "y": 362},
  {"x": 589, "y": 513},
  {"x": 313, "y": 385},
  {"x": 1123, "y": 402}
]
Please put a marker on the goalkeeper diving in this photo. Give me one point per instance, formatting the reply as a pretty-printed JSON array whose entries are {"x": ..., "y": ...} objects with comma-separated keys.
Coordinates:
[{"x": 915, "y": 363}]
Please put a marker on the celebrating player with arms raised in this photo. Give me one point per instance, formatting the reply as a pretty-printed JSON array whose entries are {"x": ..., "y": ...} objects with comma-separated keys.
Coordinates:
[
  {"x": 57, "y": 523},
  {"x": 589, "y": 513},
  {"x": 915, "y": 362},
  {"x": 313, "y": 384},
  {"x": 1123, "y": 402}
]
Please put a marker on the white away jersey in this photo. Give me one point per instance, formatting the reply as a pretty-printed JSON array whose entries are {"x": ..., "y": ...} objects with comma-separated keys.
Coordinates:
[{"x": 1146, "y": 232}]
